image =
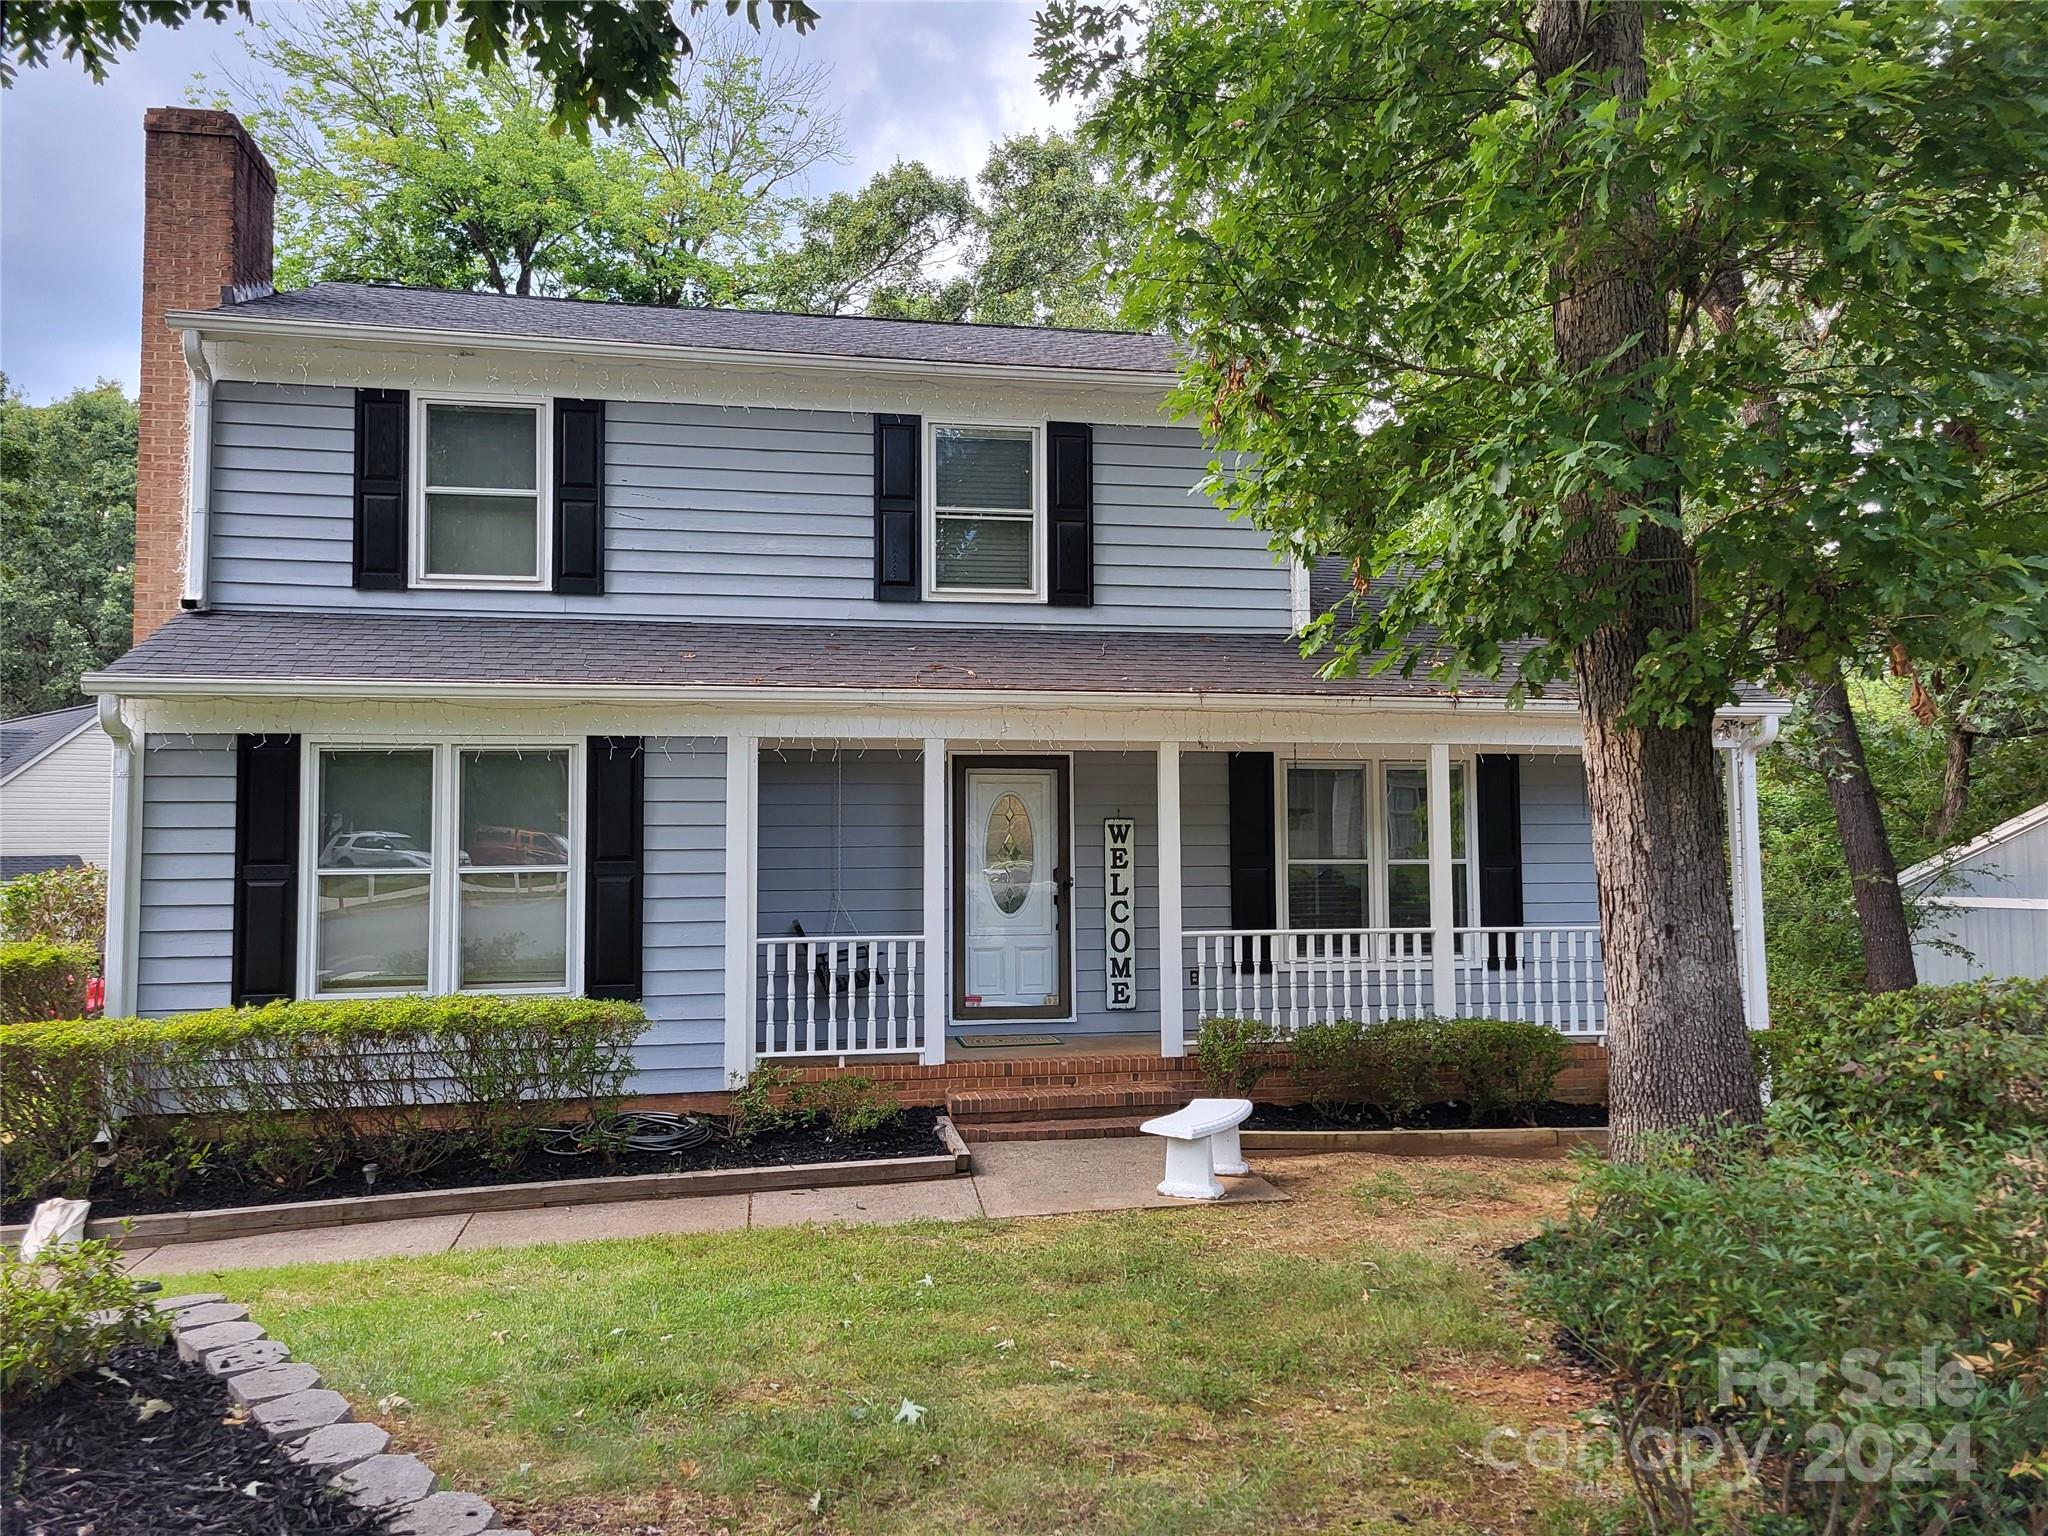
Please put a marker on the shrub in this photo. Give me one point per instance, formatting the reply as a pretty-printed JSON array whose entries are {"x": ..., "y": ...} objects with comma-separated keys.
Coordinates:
[
  {"x": 1390, "y": 1065},
  {"x": 43, "y": 980},
  {"x": 64, "y": 1311},
  {"x": 65, "y": 906},
  {"x": 760, "y": 1103},
  {"x": 1699, "y": 1278},
  {"x": 295, "y": 1090},
  {"x": 1503, "y": 1066},
  {"x": 1968, "y": 1060},
  {"x": 851, "y": 1104},
  {"x": 1233, "y": 1055}
]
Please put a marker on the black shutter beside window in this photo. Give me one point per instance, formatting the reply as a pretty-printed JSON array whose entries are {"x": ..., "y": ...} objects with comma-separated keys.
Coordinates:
[
  {"x": 1498, "y": 802},
  {"x": 264, "y": 968},
  {"x": 382, "y": 425},
  {"x": 1070, "y": 514},
  {"x": 1254, "y": 891},
  {"x": 898, "y": 507},
  {"x": 613, "y": 821},
  {"x": 579, "y": 496}
]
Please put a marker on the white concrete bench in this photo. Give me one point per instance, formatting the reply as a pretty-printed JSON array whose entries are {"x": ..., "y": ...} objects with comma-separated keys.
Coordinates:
[{"x": 1201, "y": 1142}]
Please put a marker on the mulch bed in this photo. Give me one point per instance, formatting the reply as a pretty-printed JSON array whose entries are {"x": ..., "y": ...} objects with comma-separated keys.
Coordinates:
[
  {"x": 221, "y": 1185},
  {"x": 1556, "y": 1115},
  {"x": 82, "y": 1459}
]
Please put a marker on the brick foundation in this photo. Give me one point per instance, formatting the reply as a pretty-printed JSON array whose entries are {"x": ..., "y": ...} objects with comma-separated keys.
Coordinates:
[{"x": 208, "y": 202}]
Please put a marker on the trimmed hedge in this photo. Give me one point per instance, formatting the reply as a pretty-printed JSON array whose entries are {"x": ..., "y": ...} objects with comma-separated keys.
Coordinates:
[
  {"x": 65, "y": 906},
  {"x": 40, "y": 980},
  {"x": 295, "y": 1091},
  {"x": 1966, "y": 1059}
]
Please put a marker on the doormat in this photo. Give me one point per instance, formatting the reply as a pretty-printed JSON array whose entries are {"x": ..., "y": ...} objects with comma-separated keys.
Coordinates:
[{"x": 997, "y": 1042}]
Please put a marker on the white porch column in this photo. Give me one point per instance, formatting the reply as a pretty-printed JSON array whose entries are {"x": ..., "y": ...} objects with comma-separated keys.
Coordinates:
[
  {"x": 742, "y": 873},
  {"x": 1746, "y": 878},
  {"x": 1443, "y": 979},
  {"x": 937, "y": 962},
  {"x": 1172, "y": 951},
  {"x": 124, "y": 861}
]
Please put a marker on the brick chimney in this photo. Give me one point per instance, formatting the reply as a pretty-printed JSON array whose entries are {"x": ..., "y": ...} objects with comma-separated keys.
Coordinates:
[{"x": 208, "y": 199}]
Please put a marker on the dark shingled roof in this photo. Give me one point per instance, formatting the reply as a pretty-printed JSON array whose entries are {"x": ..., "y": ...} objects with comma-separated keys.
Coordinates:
[
  {"x": 740, "y": 330},
  {"x": 25, "y": 737},
  {"x": 554, "y": 651}
]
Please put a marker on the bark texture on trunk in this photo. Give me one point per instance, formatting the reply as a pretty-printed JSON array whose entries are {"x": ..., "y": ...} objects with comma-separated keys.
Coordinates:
[
  {"x": 1866, "y": 847},
  {"x": 1957, "y": 760},
  {"x": 1678, "y": 1049}
]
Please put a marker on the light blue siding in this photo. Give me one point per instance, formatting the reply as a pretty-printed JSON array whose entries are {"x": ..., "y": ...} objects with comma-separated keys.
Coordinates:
[
  {"x": 1114, "y": 784},
  {"x": 186, "y": 920},
  {"x": 1557, "y": 844},
  {"x": 850, "y": 823},
  {"x": 1204, "y": 841},
  {"x": 728, "y": 513},
  {"x": 1952, "y": 943},
  {"x": 683, "y": 918}
]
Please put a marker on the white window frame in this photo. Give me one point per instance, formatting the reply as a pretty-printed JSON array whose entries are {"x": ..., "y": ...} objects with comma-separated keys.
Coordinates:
[
  {"x": 446, "y": 871},
  {"x": 543, "y": 478},
  {"x": 1374, "y": 770},
  {"x": 930, "y": 511}
]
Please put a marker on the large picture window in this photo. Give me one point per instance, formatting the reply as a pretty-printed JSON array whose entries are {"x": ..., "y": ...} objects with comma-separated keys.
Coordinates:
[
  {"x": 985, "y": 511},
  {"x": 1358, "y": 846},
  {"x": 480, "y": 505},
  {"x": 443, "y": 868}
]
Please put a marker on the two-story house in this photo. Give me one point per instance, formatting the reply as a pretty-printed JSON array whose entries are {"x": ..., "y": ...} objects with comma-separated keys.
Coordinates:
[{"x": 842, "y": 689}]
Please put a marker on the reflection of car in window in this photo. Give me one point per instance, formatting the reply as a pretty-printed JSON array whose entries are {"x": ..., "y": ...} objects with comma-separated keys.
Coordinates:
[
  {"x": 493, "y": 847},
  {"x": 374, "y": 850}
]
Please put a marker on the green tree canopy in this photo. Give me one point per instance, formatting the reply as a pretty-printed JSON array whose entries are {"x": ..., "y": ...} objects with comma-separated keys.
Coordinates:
[
  {"x": 602, "y": 60},
  {"x": 67, "y": 541}
]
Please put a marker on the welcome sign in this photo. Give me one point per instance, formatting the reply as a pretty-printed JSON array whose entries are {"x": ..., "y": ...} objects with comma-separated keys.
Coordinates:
[{"x": 1120, "y": 909}]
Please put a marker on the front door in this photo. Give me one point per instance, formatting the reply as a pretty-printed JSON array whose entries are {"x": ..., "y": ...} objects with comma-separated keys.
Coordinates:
[{"x": 1010, "y": 895}]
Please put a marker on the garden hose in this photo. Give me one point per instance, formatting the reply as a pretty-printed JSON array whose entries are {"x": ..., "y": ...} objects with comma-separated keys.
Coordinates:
[{"x": 634, "y": 1131}]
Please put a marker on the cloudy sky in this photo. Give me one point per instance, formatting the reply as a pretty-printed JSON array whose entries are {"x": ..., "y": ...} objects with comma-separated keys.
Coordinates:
[{"x": 935, "y": 80}]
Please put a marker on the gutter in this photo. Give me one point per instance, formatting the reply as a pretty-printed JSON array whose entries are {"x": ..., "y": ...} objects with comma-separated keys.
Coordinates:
[
  {"x": 224, "y": 323},
  {"x": 199, "y": 475}
]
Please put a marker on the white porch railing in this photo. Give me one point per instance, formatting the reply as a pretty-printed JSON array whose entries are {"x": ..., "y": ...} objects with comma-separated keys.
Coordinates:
[
  {"x": 1289, "y": 978},
  {"x": 840, "y": 997}
]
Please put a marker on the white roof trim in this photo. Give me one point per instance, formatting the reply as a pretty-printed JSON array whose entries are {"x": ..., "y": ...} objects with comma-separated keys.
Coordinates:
[
  {"x": 2004, "y": 832},
  {"x": 224, "y": 323},
  {"x": 69, "y": 736}
]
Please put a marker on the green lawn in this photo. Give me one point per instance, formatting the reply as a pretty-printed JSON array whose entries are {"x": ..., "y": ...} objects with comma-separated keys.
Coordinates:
[{"x": 1329, "y": 1364}]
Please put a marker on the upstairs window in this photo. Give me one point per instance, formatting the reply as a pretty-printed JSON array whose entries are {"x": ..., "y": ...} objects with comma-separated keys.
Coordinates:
[
  {"x": 986, "y": 512},
  {"x": 479, "y": 517}
]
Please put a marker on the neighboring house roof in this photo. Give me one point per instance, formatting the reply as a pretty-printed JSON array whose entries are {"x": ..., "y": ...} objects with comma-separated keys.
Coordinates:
[
  {"x": 2004, "y": 832},
  {"x": 15, "y": 865},
  {"x": 28, "y": 737},
  {"x": 276, "y": 648},
  {"x": 738, "y": 330}
]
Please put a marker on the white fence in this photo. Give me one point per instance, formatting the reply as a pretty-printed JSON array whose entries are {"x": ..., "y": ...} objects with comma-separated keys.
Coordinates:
[
  {"x": 840, "y": 997},
  {"x": 1550, "y": 976}
]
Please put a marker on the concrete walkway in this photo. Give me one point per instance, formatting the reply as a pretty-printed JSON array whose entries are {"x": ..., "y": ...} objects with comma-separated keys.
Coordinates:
[{"x": 1017, "y": 1178}]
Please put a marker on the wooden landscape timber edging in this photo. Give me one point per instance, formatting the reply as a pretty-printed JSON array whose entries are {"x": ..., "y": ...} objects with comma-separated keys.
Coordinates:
[
  {"x": 168, "y": 1227},
  {"x": 1514, "y": 1141}
]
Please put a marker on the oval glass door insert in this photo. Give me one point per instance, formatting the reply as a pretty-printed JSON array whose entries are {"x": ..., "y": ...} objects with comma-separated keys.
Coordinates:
[{"x": 1006, "y": 854}]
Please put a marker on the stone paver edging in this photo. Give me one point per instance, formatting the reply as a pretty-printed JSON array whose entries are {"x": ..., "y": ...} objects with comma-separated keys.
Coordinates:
[
  {"x": 316, "y": 1426},
  {"x": 150, "y": 1231},
  {"x": 1516, "y": 1141}
]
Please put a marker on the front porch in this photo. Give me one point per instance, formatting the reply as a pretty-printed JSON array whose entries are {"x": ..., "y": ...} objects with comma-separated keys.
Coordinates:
[{"x": 852, "y": 938}]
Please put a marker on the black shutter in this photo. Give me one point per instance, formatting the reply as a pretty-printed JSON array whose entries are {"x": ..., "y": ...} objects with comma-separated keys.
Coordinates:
[
  {"x": 382, "y": 420},
  {"x": 579, "y": 496},
  {"x": 1070, "y": 514},
  {"x": 898, "y": 454},
  {"x": 1498, "y": 791},
  {"x": 1254, "y": 895},
  {"x": 612, "y": 831},
  {"x": 266, "y": 951}
]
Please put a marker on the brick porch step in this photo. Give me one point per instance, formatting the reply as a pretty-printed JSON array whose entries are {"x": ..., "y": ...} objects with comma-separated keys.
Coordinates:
[
  {"x": 1078, "y": 1128},
  {"x": 1018, "y": 1106}
]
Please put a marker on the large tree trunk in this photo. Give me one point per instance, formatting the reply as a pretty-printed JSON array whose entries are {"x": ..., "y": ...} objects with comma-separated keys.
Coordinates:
[
  {"x": 1678, "y": 1052},
  {"x": 1959, "y": 751},
  {"x": 1866, "y": 847}
]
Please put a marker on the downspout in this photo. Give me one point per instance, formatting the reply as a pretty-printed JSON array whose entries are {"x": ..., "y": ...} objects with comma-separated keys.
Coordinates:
[
  {"x": 124, "y": 858},
  {"x": 199, "y": 467}
]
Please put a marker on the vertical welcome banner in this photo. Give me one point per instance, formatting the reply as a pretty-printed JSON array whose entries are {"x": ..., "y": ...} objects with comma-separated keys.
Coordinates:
[{"x": 1120, "y": 910}]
